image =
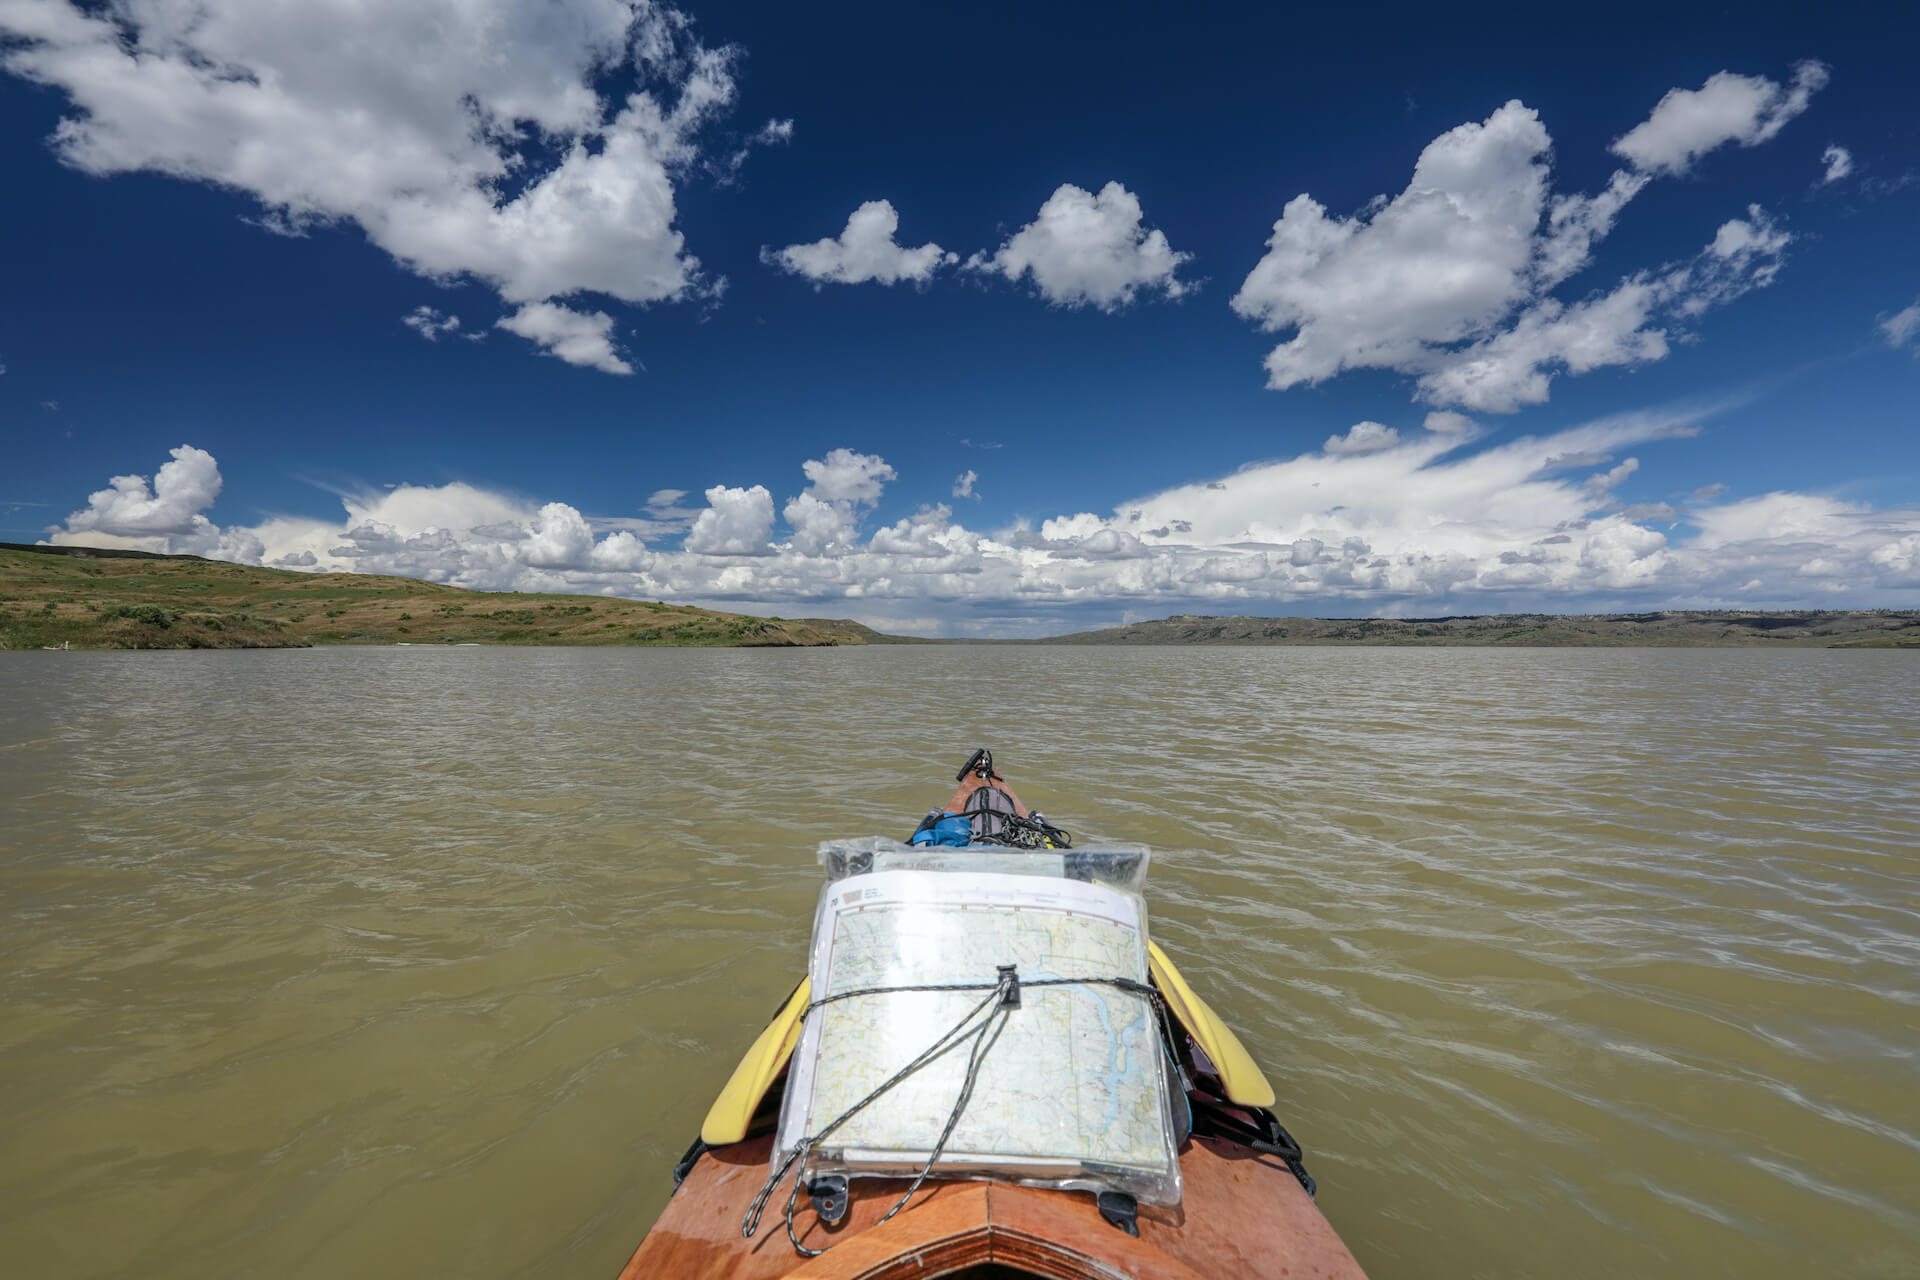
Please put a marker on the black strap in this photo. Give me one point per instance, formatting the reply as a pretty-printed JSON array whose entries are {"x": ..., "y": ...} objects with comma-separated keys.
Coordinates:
[
  {"x": 684, "y": 1165},
  {"x": 1265, "y": 1134}
]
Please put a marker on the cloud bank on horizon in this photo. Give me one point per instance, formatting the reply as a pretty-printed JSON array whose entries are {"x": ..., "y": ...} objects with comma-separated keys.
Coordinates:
[{"x": 1373, "y": 522}]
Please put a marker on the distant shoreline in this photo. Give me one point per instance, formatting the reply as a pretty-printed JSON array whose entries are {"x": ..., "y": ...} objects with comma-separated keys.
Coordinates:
[
  {"x": 95, "y": 598},
  {"x": 1665, "y": 629}
]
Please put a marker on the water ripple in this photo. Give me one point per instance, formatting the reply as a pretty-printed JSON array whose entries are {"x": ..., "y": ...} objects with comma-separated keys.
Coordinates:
[{"x": 378, "y": 962}]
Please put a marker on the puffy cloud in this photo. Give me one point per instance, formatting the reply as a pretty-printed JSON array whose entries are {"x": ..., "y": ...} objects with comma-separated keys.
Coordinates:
[
  {"x": 149, "y": 518},
  {"x": 1061, "y": 529},
  {"x": 963, "y": 484},
  {"x": 429, "y": 323},
  {"x": 1839, "y": 163},
  {"x": 1105, "y": 544},
  {"x": 922, "y": 536},
  {"x": 865, "y": 251},
  {"x": 1089, "y": 250},
  {"x": 620, "y": 552},
  {"x": 820, "y": 528},
  {"x": 1452, "y": 279},
  {"x": 1429, "y": 524},
  {"x": 463, "y": 137},
  {"x": 561, "y": 539},
  {"x": 846, "y": 476},
  {"x": 1440, "y": 262},
  {"x": 1514, "y": 367},
  {"x": 1688, "y": 123},
  {"x": 1900, "y": 327},
  {"x": 1899, "y": 559},
  {"x": 584, "y": 338},
  {"x": 737, "y": 522},
  {"x": 1363, "y": 437},
  {"x": 825, "y": 516}
]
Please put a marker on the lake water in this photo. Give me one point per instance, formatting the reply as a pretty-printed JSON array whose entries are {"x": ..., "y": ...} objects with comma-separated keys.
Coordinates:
[{"x": 392, "y": 962}]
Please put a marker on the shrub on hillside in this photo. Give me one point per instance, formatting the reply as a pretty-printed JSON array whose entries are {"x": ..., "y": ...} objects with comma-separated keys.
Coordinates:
[{"x": 151, "y": 614}]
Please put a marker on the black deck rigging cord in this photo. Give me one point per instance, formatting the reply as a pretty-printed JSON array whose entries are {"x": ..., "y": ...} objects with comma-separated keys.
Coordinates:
[{"x": 1033, "y": 832}]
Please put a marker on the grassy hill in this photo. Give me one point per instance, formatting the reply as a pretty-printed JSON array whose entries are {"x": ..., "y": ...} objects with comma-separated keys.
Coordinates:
[
  {"x": 1839, "y": 629},
  {"x": 100, "y": 599}
]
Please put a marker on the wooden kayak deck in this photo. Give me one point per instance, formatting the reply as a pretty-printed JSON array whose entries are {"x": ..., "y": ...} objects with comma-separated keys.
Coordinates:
[{"x": 1243, "y": 1215}]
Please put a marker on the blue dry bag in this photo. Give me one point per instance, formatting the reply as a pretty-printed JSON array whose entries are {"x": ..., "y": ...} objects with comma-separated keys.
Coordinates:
[{"x": 949, "y": 829}]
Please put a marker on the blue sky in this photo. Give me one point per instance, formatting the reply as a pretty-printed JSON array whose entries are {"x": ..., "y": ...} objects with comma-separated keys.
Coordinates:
[{"x": 1224, "y": 311}]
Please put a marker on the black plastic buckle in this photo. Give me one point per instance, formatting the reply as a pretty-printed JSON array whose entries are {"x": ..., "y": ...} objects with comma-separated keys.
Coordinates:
[
  {"x": 1010, "y": 979},
  {"x": 1120, "y": 1209},
  {"x": 829, "y": 1195}
]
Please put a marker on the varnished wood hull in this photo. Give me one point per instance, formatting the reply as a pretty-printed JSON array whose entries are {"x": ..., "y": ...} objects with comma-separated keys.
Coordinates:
[{"x": 1243, "y": 1215}]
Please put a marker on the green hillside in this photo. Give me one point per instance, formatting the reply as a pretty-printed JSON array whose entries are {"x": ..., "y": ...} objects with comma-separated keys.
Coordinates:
[{"x": 99, "y": 599}]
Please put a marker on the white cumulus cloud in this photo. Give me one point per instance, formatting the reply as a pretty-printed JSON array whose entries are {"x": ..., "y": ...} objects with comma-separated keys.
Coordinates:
[
  {"x": 127, "y": 508},
  {"x": 865, "y": 251},
  {"x": 846, "y": 476},
  {"x": 825, "y": 516},
  {"x": 463, "y": 137},
  {"x": 737, "y": 522},
  {"x": 1089, "y": 250},
  {"x": 584, "y": 338},
  {"x": 1442, "y": 261},
  {"x": 1688, "y": 123},
  {"x": 1451, "y": 280},
  {"x": 560, "y": 539}
]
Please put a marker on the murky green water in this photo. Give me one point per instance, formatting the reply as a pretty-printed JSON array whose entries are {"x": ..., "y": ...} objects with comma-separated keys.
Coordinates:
[{"x": 427, "y": 961}]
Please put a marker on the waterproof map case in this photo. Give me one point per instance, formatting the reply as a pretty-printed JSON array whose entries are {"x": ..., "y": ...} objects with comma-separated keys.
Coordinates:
[{"x": 1072, "y": 1088}]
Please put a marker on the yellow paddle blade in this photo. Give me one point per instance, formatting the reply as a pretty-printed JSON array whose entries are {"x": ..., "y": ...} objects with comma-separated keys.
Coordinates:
[
  {"x": 1238, "y": 1072},
  {"x": 732, "y": 1111}
]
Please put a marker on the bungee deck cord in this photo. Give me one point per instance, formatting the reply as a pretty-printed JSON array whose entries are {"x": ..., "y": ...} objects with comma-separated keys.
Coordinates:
[{"x": 1003, "y": 997}]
